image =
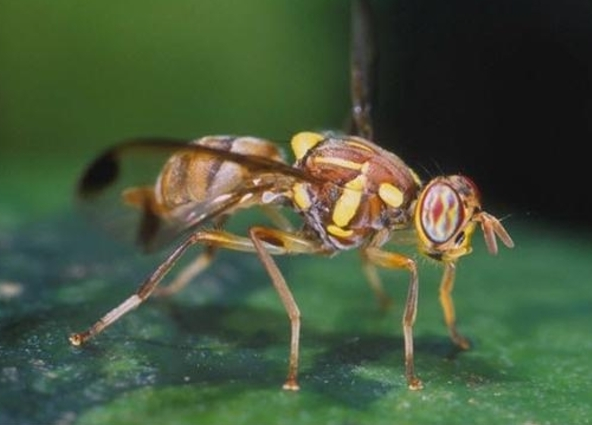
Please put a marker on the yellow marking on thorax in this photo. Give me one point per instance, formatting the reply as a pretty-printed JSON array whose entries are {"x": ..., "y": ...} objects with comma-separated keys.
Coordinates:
[
  {"x": 340, "y": 162},
  {"x": 346, "y": 206},
  {"x": 338, "y": 231},
  {"x": 391, "y": 195},
  {"x": 359, "y": 145},
  {"x": 305, "y": 141},
  {"x": 301, "y": 196},
  {"x": 359, "y": 183}
]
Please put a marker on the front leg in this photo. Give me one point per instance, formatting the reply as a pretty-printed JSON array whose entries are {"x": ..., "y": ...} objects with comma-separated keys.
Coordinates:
[
  {"x": 448, "y": 306},
  {"x": 394, "y": 260}
]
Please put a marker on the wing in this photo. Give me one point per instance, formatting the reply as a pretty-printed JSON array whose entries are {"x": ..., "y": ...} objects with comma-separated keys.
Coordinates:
[{"x": 120, "y": 190}]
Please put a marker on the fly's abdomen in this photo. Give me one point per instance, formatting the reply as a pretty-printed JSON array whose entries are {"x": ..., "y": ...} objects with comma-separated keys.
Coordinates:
[{"x": 198, "y": 177}]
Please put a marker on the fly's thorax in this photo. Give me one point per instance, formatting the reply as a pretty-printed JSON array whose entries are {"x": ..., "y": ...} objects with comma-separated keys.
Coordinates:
[
  {"x": 361, "y": 188},
  {"x": 444, "y": 217},
  {"x": 194, "y": 177}
]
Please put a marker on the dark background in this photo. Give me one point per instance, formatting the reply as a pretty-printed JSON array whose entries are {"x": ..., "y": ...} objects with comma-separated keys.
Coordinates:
[{"x": 498, "y": 90}]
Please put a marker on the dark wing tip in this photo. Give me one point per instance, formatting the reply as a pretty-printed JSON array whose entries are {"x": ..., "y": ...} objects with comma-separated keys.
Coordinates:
[{"x": 102, "y": 172}]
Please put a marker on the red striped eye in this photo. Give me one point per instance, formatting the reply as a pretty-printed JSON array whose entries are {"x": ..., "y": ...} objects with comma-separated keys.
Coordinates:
[{"x": 441, "y": 212}]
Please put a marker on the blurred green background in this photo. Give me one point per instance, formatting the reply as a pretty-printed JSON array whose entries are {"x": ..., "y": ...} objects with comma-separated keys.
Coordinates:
[{"x": 76, "y": 77}]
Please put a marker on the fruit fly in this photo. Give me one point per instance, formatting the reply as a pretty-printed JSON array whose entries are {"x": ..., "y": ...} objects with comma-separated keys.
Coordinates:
[{"x": 349, "y": 192}]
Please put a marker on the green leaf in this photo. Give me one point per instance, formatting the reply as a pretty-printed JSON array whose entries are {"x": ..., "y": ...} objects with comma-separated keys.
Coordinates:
[{"x": 217, "y": 352}]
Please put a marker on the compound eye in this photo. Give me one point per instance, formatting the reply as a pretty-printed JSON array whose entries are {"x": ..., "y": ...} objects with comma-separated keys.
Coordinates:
[{"x": 440, "y": 212}]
